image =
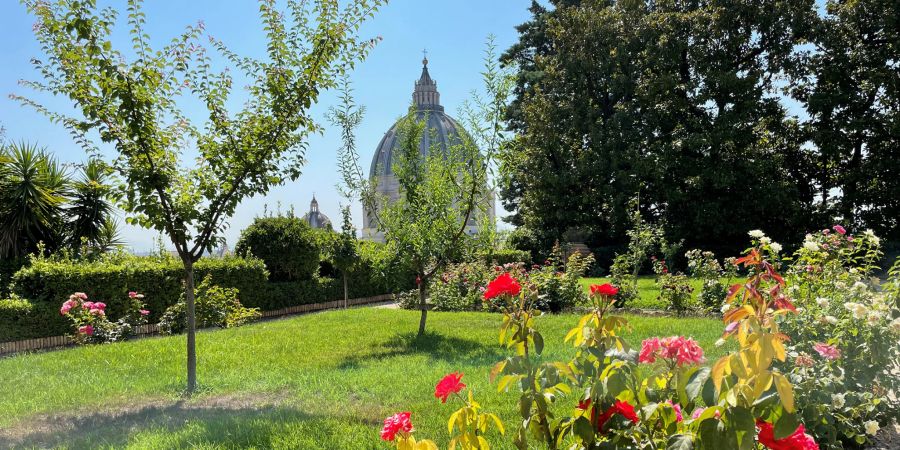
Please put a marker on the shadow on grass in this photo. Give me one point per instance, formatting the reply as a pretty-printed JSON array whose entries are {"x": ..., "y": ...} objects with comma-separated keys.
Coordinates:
[
  {"x": 433, "y": 345},
  {"x": 183, "y": 426}
]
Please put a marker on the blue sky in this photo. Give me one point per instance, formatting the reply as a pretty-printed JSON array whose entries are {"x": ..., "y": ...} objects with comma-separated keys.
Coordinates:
[{"x": 454, "y": 32}]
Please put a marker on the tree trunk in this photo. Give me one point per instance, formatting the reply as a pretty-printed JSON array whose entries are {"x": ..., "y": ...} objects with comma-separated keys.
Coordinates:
[
  {"x": 191, "y": 325},
  {"x": 346, "y": 299},
  {"x": 423, "y": 307}
]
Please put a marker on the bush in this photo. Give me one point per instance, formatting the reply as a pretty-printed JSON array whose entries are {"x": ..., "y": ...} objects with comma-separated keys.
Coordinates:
[
  {"x": 286, "y": 244},
  {"x": 506, "y": 256},
  {"x": 47, "y": 282},
  {"x": 215, "y": 306},
  {"x": 459, "y": 288},
  {"x": 706, "y": 267},
  {"x": 8, "y": 267},
  {"x": 19, "y": 320},
  {"x": 844, "y": 337},
  {"x": 92, "y": 325}
]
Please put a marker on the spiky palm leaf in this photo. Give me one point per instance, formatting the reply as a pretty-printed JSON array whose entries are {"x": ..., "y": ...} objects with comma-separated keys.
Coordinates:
[{"x": 31, "y": 198}]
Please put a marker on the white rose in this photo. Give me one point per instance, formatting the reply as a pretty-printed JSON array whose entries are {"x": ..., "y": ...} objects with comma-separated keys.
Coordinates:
[
  {"x": 720, "y": 342},
  {"x": 831, "y": 319},
  {"x": 822, "y": 302},
  {"x": 895, "y": 325},
  {"x": 765, "y": 240},
  {"x": 725, "y": 308},
  {"x": 837, "y": 400},
  {"x": 811, "y": 246},
  {"x": 756, "y": 234},
  {"x": 871, "y": 427},
  {"x": 860, "y": 311},
  {"x": 873, "y": 318},
  {"x": 860, "y": 286},
  {"x": 776, "y": 247},
  {"x": 872, "y": 237}
]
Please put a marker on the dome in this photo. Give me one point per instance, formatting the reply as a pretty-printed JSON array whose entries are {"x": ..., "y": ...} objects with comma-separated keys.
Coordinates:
[
  {"x": 443, "y": 128},
  {"x": 443, "y": 132},
  {"x": 315, "y": 218}
]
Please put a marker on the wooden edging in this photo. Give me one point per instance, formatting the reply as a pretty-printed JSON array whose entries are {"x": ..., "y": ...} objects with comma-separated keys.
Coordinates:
[{"x": 45, "y": 343}]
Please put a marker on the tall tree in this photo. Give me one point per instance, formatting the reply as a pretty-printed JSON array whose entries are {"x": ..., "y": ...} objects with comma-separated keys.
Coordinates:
[
  {"x": 674, "y": 101},
  {"x": 849, "y": 83},
  {"x": 134, "y": 103}
]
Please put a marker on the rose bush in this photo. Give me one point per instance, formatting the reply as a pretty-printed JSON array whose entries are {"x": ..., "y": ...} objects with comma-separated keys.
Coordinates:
[
  {"x": 91, "y": 324},
  {"x": 631, "y": 399},
  {"x": 844, "y": 337}
]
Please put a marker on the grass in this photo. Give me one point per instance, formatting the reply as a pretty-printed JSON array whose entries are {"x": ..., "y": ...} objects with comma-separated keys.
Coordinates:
[
  {"x": 648, "y": 291},
  {"x": 317, "y": 381}
]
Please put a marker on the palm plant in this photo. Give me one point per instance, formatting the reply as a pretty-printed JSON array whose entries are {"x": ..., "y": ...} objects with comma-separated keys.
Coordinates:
[
  {"x": 90, "y": 209},
  {"x": 33, "y": 188}
]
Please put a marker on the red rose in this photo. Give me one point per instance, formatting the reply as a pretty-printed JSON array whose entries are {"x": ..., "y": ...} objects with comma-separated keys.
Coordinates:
[
  {"x": 799, "y": 440},
  {"x": 606, "y": 289},
  {"x": 450, "y": 384},
  {"x": 395, "y": 424},
  {"x": 503, "y": 284},
  {"x": 619, "y": 407}
]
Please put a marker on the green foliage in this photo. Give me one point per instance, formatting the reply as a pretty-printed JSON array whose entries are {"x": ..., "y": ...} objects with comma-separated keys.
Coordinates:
[
  {"x": 18, "y": 320},
  {"x": 500, "y": 257},
  {"x": 285, "y": 243},
  {"x": 134, "y": 99},
  {"x": 33, "y": 189},
  {"x": 840, "y": 304},
  {"x": 216, "y": 307},
  {"x": 665, "y": 99},
  {"x": 46, "y": 282},
  {"x": 441, "y": 191},
  {"x": 704, "y": 266}
]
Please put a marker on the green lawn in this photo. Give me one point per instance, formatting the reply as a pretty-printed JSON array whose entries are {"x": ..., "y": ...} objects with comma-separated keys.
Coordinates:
[
  {"x": 317, "y": 381},
  {"x": 648, "y": 291}
]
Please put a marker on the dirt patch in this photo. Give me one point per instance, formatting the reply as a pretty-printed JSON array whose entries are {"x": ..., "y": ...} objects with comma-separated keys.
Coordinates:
[{"x": 45, "y": 430}]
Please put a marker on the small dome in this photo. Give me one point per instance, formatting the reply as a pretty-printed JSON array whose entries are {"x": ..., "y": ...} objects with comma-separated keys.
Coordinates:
[
  {"x": 315, "y": 218},
  {"x": 440, "y": 126}
]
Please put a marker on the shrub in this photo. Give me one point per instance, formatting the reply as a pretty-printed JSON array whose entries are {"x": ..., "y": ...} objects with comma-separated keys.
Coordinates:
[
  {"x": 704, "y": 266},
  {"x": 659, "y": 397},
  {"x": 505, "y": 256},
  {"x": 91, "y": 324},
  {"x": 844, "y": 337},
  {"x": 674, "y": 288},
  {"x": 215, "y": 307},
  {"x": 408, "y": 299},
  {"x": 46, "y": 282},
  {"x": 460, "y": 287},
  {"x": 286, "y": 244},
  {"x": 8, "y": 267},
  {"x": 559, "y": 281}
]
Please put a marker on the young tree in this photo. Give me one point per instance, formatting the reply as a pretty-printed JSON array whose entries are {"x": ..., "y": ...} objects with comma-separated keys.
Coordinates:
[
  {"x": 345, "y": 251},
  {"x": 441, "y": 192},
  {"x": 135, "y": 104}
]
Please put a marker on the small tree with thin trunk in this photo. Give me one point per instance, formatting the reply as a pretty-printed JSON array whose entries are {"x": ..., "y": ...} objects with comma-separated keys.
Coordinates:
[
  {"x": 439, "y": 192},
  {"x": 346, "y": 254},
  {"x": 134, "y": 101}
]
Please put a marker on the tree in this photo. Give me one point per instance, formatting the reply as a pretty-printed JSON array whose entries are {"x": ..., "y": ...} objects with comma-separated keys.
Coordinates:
[
  {"x": 33, "y": 189},
  {"x": 441, "y": 193},
  {"x": 90, "y": 210},
  {"x": 675, "y": 100},
  {"x": 134, "y": 103},
  {"x": 285, "y": 243},
  {"x": 849, "y": 83},
  {"x": 345, "y": 254}
]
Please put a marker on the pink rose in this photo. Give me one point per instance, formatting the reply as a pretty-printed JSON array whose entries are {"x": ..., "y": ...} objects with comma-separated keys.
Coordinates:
[
  {"x": 87, "y": 330},
  {"x": 132, "y": 294},
  {"x": 67, "y": 306},
  {"x": 839, "y": 229},
  {"x": 87, "y": 305},
  {"x": 827, "y": 351},
  {"x": 144, "y": 312},
  {"x": 99, "y": 305}
]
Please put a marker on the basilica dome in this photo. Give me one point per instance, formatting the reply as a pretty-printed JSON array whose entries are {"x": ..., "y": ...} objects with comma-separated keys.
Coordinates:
[
  {"x": 442, "y": 132},
  {"x": 443, "y": 128}
]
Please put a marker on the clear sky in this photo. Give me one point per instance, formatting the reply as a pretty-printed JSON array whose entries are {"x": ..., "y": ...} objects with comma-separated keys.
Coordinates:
[{"x": 454, "y": 32}]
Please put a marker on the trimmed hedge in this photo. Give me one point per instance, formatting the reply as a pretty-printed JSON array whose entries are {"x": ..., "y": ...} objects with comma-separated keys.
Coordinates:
[{"x": 48, "y": 283}]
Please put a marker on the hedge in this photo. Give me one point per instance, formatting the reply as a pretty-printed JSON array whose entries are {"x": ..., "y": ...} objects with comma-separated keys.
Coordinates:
[
  {"x": 505, "y": 256},
  {"x": 47, "y": 283}
]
